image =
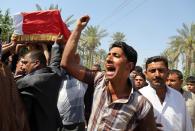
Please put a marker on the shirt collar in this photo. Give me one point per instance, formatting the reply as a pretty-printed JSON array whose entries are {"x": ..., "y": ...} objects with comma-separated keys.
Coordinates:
[{"x": 122, "y": 100}]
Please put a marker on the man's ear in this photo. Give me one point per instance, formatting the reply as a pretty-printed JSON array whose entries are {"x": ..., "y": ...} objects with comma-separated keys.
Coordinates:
[
  {"x": 181, "y": 81},
  {"x": 37, "y": 63},
  {"x": 131, "y": 66},
  {"x": 145, "y": 73}
]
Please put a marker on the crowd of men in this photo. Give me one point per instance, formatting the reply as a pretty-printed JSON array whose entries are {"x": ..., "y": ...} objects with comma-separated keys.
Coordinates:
[{"x": 50, "y": 90}]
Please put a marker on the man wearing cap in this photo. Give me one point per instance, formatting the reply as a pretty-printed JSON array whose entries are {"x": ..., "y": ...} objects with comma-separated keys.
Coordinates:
[{"x": 116, "y": 104}]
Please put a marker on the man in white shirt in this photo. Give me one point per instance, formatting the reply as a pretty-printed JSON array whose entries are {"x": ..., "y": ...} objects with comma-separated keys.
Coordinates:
[
  {"x": 169, "y": 105},
  {"x": 175, "y": 80}
]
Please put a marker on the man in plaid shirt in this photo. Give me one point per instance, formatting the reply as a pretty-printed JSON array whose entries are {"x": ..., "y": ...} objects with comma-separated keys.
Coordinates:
[{"x": 117, "y": 105}]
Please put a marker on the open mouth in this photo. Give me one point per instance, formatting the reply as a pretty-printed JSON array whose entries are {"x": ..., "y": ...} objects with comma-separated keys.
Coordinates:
[{"x": 110, "y": 70}]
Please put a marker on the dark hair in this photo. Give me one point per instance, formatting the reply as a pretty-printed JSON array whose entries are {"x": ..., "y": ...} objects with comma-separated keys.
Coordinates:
[
  {"x": 37, "y": 55},
  {"x": 129, "y": 51},
  {"x": 13, "y": 115},
  {"x": 177, "y": 72},
  {"x": 157, "y": 59},
  {"x": 98, "y": 66},
  {"x": 138, "y": 69},
  {"x": 140, "y": 74},
  {"x": 190, "y": 79},
  {"x": 13, "y": 62}
]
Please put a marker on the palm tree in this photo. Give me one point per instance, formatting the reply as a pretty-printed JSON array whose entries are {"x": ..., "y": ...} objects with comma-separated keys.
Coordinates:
[
  {"x": 69, "y": 21},
  {"x": 6, "y": 24},
  {"x": 83, "y": 51},
  {"x": 101, "y": 56},
  {"x": 90, "y": 38},
  {"x": 51, "y": 7},
  {"x": 1, "y": 15},
  {"x": 183, "y": 46},
  {"x": 118, "y": 36},
  {"x": 173, "y": 62}
]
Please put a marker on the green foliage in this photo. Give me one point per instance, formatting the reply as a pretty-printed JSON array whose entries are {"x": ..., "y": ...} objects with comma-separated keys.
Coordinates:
[
  {"x": 6, "y": 24},
  {"x": 51, "y": 7},
  {"x": 118, "y": 36},
  {"x": 182, "y": 49},
  {"x": 69, "y": 21},
  {"x": 89, "y": 44}
]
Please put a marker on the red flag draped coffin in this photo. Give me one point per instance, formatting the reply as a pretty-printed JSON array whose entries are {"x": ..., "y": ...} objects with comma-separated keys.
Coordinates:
[{"x": 39, "y": 26}]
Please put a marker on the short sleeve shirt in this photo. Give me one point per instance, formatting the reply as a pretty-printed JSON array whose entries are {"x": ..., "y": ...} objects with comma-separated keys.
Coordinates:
[{"x": 122, "y": 114}]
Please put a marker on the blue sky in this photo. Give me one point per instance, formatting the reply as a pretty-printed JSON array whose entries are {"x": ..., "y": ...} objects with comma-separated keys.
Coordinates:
[{"x": 147, "y": 24}]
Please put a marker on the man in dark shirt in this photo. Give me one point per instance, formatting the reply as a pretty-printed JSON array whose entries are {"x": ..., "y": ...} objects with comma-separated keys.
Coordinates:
[{"x": 39, "y": 89}]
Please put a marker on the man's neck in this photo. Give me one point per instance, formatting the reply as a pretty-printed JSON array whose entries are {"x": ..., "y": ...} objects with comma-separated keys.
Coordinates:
[
  {"x": 119, "y": 90},
  {"x": 161, "y": 93},
  {"x": 181, "y": 90}
]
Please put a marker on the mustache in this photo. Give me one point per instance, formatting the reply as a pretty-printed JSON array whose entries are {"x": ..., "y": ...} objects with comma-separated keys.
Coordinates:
[{"x": 158, "y": 79}]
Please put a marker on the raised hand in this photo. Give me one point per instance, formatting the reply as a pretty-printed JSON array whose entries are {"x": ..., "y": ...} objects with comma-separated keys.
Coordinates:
[
  {"x": 60, "y": 39},
  {"x": 82, "y": 22}
]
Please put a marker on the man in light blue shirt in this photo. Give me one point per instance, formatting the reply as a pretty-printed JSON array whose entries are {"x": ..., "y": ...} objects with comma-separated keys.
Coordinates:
[{"x": 71, "y": 102}]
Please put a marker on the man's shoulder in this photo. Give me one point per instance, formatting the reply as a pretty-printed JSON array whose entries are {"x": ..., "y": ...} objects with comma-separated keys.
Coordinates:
[
  {"x": 44, "y": 73},
  {"x": 185, "y": 92},
  {"x": 188, "y": 95},
  {"x": 39, "y": 75},
  {"x": 141, "y": 104},
  {"x": 27, "y": 80},
  {"x": 99, "y": 77},
  {"x": 145, "y": 90},
  {"x": 24, "y": 82},
  {"x": 174, "y": 93},
  {"x": 140, "y": 98},
  {"x": 149, "y": 93}
]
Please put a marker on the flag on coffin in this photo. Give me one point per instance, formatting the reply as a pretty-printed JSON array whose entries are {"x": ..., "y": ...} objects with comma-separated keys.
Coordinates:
[{"x": 39, "y": 26}]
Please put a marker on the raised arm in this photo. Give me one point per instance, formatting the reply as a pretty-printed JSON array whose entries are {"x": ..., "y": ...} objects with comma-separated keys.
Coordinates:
[
  {"x": 56, "y": 52},
  {"x": 68, "y": 62},
  {"x": 8, "y": 47},
  {"x": 45, "y": 51}
]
